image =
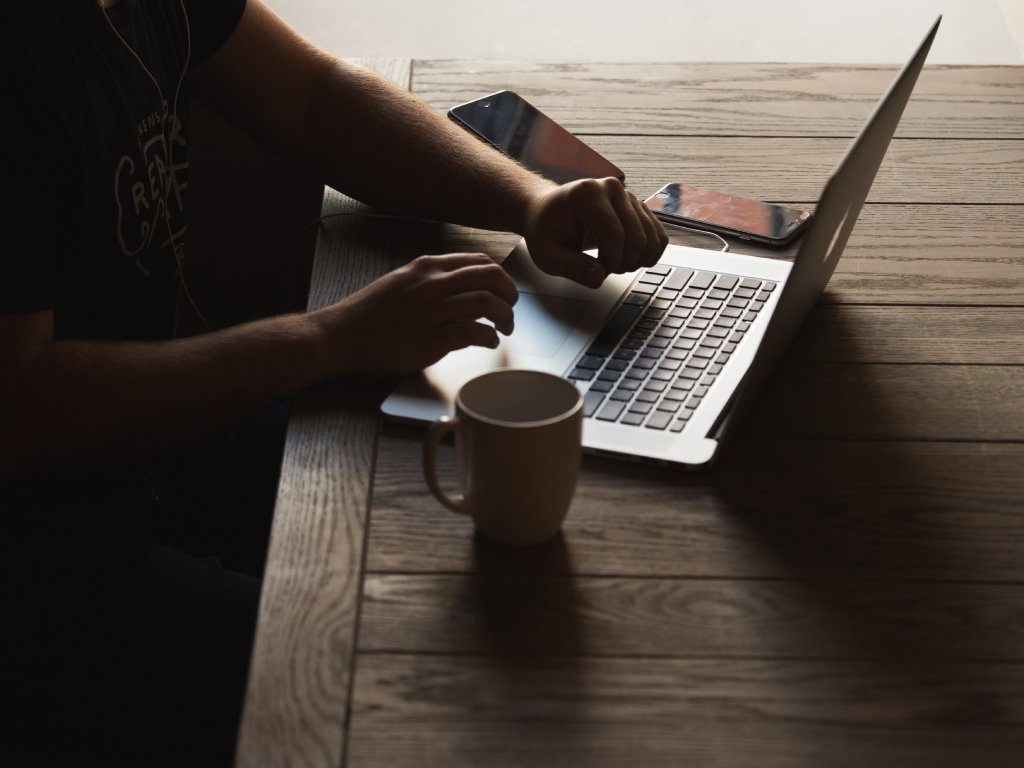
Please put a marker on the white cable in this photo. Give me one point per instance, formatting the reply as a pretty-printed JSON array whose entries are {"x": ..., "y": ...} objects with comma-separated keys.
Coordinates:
[{"x": 725, "y": 245}]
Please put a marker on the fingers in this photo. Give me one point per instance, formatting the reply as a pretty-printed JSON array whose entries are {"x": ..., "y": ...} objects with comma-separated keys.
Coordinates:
[
  {"x": 478, "y": 277},
  {"x": 449, "y": 262},
  {"x": 474, "y": 305},
  {"x": 627, "y": 234},
  {"x": 635, "y": 241},
  {"x": 654, "y": 232},
  {"x": 453, "y": 336}
]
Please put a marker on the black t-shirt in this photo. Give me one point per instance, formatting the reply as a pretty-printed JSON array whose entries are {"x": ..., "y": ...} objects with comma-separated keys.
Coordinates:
[{"x": 95, "y": 158}]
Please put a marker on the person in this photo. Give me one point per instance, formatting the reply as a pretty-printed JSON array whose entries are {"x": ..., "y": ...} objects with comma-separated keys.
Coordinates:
[{"x": 131, "y": 554}]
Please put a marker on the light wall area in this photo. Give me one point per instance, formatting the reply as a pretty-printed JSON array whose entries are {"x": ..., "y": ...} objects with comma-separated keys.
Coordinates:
[{"x": 973, "y": 31}]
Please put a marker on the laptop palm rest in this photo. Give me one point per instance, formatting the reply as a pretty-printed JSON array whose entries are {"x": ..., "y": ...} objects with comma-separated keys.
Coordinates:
[{"x": 555, "y": 319}]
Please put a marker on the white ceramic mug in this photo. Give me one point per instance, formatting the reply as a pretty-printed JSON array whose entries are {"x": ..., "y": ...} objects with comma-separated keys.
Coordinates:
[{"x": 517, "y": 439}]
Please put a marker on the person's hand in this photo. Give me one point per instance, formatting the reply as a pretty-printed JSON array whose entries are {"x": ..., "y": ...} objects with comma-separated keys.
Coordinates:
[
  {"x": 563, "y": 221},
  {"x": 414, "y": 316}
]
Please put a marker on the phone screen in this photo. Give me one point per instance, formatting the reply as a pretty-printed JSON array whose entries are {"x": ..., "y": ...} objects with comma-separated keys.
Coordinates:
[
  {"x": 729, "y": 212},
  {"x": 524, "y": 133}
]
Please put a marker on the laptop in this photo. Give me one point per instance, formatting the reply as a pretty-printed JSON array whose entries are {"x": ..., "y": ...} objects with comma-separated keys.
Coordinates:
[{"x": 668, "y": 358}]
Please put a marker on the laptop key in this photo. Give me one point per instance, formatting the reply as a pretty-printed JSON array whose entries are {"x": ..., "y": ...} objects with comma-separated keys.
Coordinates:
[
  {"x": 736, "y": 338},
  {"x": 678, "y": 279},
  {"x": 651, "y": 279},
  {"x": 669, "y": 365},
  {"x": 658, "y": 420},
  {"x": 655, "y": 386},
  {"x": 658, "y": 342},
  {"x": 685, "y": 302},
  {"x": 662, "y": 375},
  {"x": 769, "y": 286},
  {"x": 726, "y": 282},
  {"x": 712, "y": 342},
  {"x": 616, "y": 365},
  {"x": 690, "y": 373},
  {"x": 750, "y": 282},
  {"x": 693, "y": 293},
  {"x": 640, "y": 408},
  {"x": 647, "y": 397},
  {"x": 622, "y": 395},
  {"x": 731, "y": 312},
  {"x": 763, "y": 295},
  {"x": 718, "y": 333},
  {"x": 590, "y": 361},
  {"x": 611, "y": 411},
  {"x": 582, "y": 374},
  {"x": 660, "y": 269},
  {"x": 677, "y": 354},
  {"x": 665, "y": 333},
  {"x": 697, "y": 324},
  {"x": 636, "y": 299},
  {"x": 636, "y": 374},
  {"x": 601, "y": 386},
  {"x": 624, "y": 354},
  {"x": 614, "y": 330},
  {"x": 711, "y": 304},
  {"x": 718, "y": 294},
  {"x": 669, "y": 406},
  {"x": 591, "y": 401},
  {"x": 737, "y": 303},
  {"x": 678, "y": 425},
  {"x": 609, "y": 376},
  {"x": 714, "y": 369},
  {"x": 705, "y": 352},
  {"x": 651, "y": 352},
  {"x": 750, "y": 317},
  {"x": 703, "y": 280},
  {"x": 667, "y": 295},
  {"x": 632, "y": 344},
  {"x": 744, "y": 293},
  {"x": 633, "y": 419},
  {"x": 628, "y": 384},
  {"x": 704, "y": 314},
  {"x": 645, "y": 288},
  {"x": 661, "y": 304},
  {"x": 729, "y": 347}
]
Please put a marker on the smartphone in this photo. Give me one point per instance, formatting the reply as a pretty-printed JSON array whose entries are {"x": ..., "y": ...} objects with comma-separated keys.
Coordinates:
[
  {"x": 727, "y": 214},
  {"x": 509, "y": 123}
]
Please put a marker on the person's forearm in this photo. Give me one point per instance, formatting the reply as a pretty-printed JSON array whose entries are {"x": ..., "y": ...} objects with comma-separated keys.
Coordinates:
[
  {"x": 382, "y": 145},
  {"x": 96, "y": 403}
]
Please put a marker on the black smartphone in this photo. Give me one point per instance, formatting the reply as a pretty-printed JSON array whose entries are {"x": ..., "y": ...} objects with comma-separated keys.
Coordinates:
[
  {"x": 508, "y": 122},
  {"x": 727, "y": 214}
]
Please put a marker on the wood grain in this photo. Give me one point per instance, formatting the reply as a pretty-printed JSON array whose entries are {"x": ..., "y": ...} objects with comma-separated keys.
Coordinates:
[
  {"x": 789, "y": 169},
  {"x": 743, "y": 99},
  {"x": 707, "y": 618},
  {"x": 297, "y": 698},
  {"x": 769, "y": 509},
  {"x": 515, "y": 711}
]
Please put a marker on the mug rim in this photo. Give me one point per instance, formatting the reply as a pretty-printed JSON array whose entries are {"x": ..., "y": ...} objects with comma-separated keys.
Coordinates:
[{"x": 460, "y": 405}]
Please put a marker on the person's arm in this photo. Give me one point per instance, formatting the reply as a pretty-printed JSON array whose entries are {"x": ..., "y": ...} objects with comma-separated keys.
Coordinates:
[
  {"x": 80, "y": 404},
  {"x": 374, "y": 140}
]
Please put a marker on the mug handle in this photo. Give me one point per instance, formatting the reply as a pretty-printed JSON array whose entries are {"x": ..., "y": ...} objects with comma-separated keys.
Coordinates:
[{"x": 434, "y": 435}]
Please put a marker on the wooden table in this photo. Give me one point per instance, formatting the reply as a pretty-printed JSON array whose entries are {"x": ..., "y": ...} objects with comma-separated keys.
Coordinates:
[{"x": 846, "y": 587}]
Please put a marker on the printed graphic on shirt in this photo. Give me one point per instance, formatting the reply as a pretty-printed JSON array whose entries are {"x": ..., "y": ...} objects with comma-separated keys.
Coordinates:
[{"x": 149, "y": 191}]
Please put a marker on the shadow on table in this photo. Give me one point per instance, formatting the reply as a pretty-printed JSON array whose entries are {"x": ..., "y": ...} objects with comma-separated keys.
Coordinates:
[
  {"x": 844, "y": 530},
  {"x": 530, "y": 627}
]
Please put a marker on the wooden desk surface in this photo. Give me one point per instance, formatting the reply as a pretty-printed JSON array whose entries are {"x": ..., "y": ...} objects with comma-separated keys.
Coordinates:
[{"x": 846, "y": 587}]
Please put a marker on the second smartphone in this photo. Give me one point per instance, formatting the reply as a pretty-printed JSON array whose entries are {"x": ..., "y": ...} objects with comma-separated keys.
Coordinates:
[
  {"x": 726, "y": 214},
  {"x": 509, "y": 123}
]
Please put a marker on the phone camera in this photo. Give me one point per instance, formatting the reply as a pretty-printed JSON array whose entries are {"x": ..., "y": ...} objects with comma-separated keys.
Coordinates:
[{"x": 485, "y": 104}]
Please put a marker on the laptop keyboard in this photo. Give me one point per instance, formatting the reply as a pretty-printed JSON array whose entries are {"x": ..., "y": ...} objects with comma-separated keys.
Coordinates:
[{"x": 666, "y": 344}]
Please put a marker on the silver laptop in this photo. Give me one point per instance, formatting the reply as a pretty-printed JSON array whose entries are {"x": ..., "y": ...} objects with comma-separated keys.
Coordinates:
[{"x": 668, "y": 358}]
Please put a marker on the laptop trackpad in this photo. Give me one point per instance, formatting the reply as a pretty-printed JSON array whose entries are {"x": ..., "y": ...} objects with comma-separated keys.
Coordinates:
[{"x": 543, "y": 323}]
